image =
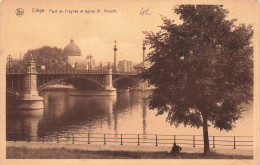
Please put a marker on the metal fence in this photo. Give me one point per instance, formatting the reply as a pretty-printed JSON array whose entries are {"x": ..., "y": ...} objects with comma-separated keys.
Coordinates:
[{"x": 133, "y": 139}]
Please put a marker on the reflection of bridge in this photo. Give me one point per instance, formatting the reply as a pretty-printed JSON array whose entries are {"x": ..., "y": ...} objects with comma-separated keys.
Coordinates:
[{"x": 27, "y": 83}]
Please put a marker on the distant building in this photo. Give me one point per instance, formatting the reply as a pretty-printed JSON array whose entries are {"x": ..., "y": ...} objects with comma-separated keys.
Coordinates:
[
  {"x": 125, "y": 66},
  {"x": 73, "y": 52},
  {"x": 76, "y": 60}
]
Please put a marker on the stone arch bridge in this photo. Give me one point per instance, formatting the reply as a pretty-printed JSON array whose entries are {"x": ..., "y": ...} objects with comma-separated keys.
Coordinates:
[
  {"x": 15, "y": 80},
  {"x": 27, "y": 83}
]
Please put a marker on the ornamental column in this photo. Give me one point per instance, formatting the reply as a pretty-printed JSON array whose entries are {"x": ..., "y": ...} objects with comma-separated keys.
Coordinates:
[
  {"x": 144, "y": 54},
  {"x": 108, "y": 85},
  {"x": 115, "y": 58},
  {"x": 30, "y": 98}
]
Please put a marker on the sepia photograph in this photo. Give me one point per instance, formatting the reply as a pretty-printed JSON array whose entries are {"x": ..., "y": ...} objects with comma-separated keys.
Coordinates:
[{"x": 153, "y": 82}]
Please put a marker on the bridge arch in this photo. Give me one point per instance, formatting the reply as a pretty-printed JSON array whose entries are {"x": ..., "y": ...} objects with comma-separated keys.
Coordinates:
[
  {"x": 134, "y": 80},
  {"x": 54, "y": 81}
]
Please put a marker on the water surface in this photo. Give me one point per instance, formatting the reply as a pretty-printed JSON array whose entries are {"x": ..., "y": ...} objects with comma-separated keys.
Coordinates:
[{"x": 125, "y": 113}]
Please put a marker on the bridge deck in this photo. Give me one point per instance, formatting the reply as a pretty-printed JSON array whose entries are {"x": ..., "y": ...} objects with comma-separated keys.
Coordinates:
[{"x": 69, "y": 72}]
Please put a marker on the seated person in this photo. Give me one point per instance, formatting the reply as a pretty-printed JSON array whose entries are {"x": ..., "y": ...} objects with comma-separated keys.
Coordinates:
[{"x": 176, "y": 149}]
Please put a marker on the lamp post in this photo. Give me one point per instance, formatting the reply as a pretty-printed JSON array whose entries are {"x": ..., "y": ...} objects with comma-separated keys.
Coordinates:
[
  {"x": 46, "y": 65},
  {"x": 91, "y": 62},
  {"x": 67, "y": 66},
  {"x": 76, "y": 66},
  {"x": 9, "y": 59},
  {"x": 101, "y": 67}
]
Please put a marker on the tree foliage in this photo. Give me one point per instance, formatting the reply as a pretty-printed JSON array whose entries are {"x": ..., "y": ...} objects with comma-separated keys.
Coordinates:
[
  {"x": 51, "y": 57},
  {"x": 16, "y": 64},
  {"x": 202, "y": 68}
]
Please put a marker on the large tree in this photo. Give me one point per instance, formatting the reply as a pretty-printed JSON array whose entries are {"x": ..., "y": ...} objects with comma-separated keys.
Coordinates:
[
  {"x": 202, "y": 68},
  {"x": 51, "y": 57}
]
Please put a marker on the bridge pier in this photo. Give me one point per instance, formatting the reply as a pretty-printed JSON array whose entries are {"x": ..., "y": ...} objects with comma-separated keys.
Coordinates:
[
  {"x": 30, "y": 98},
  {"x": 109, "y": 89}
]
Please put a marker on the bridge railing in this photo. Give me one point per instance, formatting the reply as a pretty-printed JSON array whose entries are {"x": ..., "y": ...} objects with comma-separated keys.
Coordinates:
[
  {"x": 133, "y": 139},
  {"x": 125, "y": 73},
  {"x": 58, "y": 71},
  {"x": 15, "y": 71},
  {"x": 69, "y": 71}
]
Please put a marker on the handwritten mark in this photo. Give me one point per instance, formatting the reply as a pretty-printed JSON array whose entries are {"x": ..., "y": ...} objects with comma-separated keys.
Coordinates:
[{"x": 145, "y": 11}]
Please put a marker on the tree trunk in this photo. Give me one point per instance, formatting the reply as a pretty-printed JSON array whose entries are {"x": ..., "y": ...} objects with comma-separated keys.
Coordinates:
[{"x": 205, "y": 133}]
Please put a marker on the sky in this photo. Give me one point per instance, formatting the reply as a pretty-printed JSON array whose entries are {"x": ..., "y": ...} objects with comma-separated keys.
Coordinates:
[{"x": 94, "y": 33}]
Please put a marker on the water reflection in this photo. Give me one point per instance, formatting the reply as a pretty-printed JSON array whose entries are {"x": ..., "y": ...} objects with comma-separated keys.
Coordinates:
[
  {"x": 75, "y": 113},
  {"x": 125, "y": 113},
  {"x": 20, "y": 123}
]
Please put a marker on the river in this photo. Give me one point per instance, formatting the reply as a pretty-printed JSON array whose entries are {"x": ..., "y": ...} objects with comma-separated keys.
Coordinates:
[{"x": 125, "y": 113}]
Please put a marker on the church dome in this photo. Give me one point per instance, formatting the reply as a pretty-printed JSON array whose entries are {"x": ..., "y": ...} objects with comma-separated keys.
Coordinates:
[{"x": 72, "y": 49}]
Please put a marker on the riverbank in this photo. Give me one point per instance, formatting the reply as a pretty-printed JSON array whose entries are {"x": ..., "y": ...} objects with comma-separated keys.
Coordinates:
[
  {"x": 24, "y": 150},
  {"x": 63, "y": 153}
]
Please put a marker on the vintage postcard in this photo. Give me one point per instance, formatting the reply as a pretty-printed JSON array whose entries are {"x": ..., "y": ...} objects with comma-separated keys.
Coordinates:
[{"x": 153, "y": 82}]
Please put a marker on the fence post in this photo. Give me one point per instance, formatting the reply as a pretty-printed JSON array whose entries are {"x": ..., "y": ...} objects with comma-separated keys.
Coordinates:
[
  {"x": 121, "y": 139},
  {"x": 14, "y": 137},
  {"x": 104, "y": 139},
  {"x": 174, "y": 139},
  {"x": 234, "y": 142},
  {"x": 156, "y": 141},
  {"x": 57, "y": 138},
  {"x": 28, "y": 137},
  {"x": 138, "y": 140},
  {"x": 213, "y": 142},
  {"x": 88, "y": 139},
  {"x": 193, "y": 141},
  {"x": 72, "y": 138}
]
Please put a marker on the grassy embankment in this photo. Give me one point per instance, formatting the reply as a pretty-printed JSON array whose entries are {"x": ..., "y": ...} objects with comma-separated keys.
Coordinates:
[{"x": 62, "y": 153}]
